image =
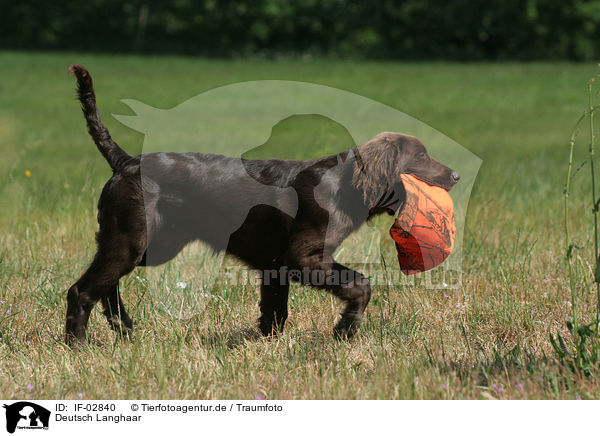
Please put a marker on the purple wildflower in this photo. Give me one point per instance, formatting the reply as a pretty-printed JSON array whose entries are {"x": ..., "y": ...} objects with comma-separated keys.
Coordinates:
[{"x": 29, "y": 387}]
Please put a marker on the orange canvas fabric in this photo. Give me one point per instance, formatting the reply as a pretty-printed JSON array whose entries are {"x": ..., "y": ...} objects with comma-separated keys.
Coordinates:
[{"x": 424, "y": 230}]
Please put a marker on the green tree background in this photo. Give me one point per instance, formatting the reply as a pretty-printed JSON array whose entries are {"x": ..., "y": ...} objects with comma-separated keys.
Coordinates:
[{"x": 386, "y": 29}]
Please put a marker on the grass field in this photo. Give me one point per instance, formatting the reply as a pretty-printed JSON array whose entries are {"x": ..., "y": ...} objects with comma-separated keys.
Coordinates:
[{"x": 487, "y": 340}]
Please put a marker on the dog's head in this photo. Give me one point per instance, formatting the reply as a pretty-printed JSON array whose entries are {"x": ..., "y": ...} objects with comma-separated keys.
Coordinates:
[{"x": 380, "y": 163}]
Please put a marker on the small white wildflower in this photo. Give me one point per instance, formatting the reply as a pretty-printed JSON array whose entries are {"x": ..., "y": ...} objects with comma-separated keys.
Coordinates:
[
  {"x": 444, "y": 284},
  {"x": 182, "y": 285},
  {"x": 208, "y": 295}
]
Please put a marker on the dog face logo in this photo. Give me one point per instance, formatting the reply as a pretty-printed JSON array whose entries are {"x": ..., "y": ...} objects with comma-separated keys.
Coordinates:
[
  {"x": 26, "y": 415},
  {"x": 236, "y": 119}
]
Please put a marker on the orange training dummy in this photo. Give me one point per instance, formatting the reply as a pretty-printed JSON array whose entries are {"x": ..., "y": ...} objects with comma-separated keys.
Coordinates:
[{"x": 424, "y": 229}]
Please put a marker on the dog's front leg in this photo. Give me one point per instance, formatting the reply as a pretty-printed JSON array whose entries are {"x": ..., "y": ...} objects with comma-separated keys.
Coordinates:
[
  {"x": 357, "y": 294},
  {"x": 273, "y": 301},
  {"x": 346, "y": 284},
  {"x": 355, "y": 290}
]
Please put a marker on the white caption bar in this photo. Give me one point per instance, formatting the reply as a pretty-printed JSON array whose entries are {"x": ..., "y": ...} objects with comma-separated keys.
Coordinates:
[{"x": 293, "y": 417}]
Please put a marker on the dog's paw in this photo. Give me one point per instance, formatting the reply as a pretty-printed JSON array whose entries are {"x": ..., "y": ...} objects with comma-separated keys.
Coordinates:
[
  {"x": 269, "y": 328},
  {"x": 125, "y": 328},
  {"x": 345, "y": 329},
  {"x": 74, "y": 340}
]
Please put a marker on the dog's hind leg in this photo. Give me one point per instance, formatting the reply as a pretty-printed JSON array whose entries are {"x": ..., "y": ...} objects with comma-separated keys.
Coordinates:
[
  {"x": 97, "y": 282},
  {"x": 121, "y": 245},
  {"x": 115, "y": 312},
  {"x": 273, "y": 302}
]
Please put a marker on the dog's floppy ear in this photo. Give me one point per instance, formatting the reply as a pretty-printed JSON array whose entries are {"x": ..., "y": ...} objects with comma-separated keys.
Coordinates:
[{"x": 377, "y": 169}]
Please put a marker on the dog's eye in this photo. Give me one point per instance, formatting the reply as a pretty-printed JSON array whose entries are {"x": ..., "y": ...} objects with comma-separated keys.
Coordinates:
[{"x": 421, "y": 155}]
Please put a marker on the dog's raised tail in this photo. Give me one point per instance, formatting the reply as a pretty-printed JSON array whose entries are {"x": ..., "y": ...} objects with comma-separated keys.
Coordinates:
[{"x": 114, "y": 155}]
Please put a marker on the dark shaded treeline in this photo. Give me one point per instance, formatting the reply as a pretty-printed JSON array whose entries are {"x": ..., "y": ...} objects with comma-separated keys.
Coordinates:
[{"x": 386, "y": 29}]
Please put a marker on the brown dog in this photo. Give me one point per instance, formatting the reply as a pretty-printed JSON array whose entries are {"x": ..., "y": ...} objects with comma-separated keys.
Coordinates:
[{"x": 265, "y": 212}]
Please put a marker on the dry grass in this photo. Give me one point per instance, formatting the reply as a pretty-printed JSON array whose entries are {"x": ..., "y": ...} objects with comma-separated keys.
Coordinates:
[{"x": 489, "y": 339}]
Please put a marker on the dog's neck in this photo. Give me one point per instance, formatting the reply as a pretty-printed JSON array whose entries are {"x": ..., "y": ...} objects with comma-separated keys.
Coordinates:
[{"x": 360, "y": 209}]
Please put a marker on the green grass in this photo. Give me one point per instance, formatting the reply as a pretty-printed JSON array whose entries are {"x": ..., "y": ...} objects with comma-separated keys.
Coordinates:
[{"x": 414, "y": 343}]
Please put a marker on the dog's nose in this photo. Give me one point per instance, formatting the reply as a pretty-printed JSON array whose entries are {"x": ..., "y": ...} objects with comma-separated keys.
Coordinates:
[{"x": 455, "y": 176}]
